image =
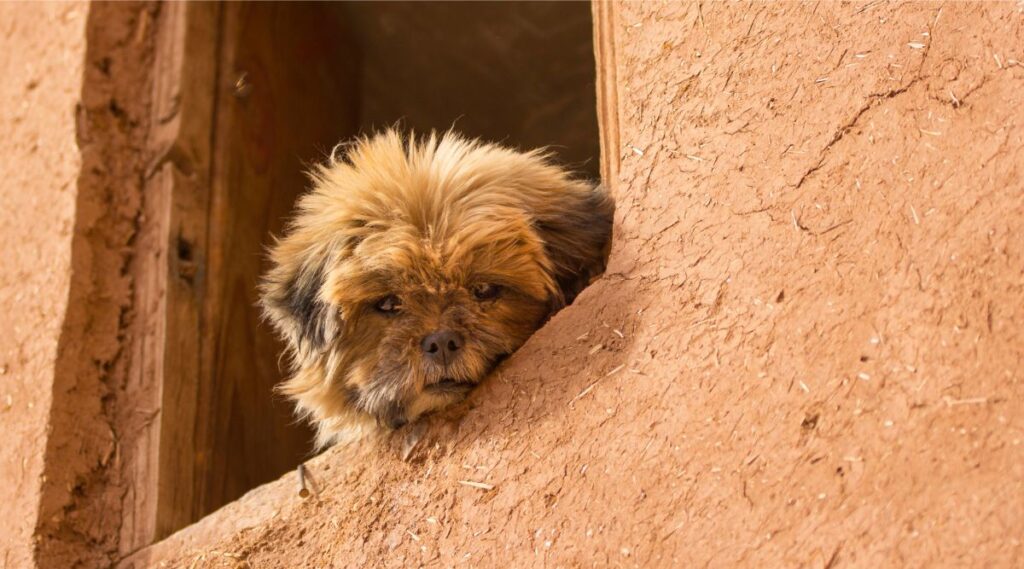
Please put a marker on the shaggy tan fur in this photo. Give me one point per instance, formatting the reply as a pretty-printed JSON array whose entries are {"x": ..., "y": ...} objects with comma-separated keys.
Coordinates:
[{"x": 402, "y": 239}]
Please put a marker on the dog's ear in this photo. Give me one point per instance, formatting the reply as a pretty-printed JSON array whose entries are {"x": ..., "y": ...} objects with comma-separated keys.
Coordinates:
[
  {"x": 576, "y": 228},
  {"x": 292, "y": 295}
]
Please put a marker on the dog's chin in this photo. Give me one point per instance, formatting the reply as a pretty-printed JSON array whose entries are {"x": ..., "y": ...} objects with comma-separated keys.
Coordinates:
[
  {"x": 436, "y": 395},
  {"x": 451, "y": 385}
]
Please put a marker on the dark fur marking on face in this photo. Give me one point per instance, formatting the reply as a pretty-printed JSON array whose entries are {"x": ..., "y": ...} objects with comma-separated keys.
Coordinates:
[
  {"x": 304, "y": 304},
  {"x": 569, "y": 237}
]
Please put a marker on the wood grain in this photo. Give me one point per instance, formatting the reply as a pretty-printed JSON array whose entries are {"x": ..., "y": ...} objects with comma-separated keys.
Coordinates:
[
  {"x": 169, "y": 280},
  {"x": 285, "y": 97},
  {"x": 237, "y": 119}
]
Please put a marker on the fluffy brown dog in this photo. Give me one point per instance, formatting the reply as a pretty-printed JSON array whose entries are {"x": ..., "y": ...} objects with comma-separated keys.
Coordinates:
[{"x": 414, "y": 265}]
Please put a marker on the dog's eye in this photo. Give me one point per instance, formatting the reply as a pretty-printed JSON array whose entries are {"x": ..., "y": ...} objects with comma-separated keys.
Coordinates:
[
  {"x": 486, "y": 291},
  {"x": 389, "y": 304}
]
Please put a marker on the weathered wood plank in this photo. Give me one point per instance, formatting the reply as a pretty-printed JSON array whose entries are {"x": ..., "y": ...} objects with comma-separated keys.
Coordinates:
[
  {"x": 169, "y": 285},
  {"x": 285, "y": 97}
]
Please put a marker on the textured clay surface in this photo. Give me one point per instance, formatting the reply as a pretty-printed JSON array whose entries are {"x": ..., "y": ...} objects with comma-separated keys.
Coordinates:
[
  {"x": 807, "y": 350},
  {"x": 39, "y": 165},
  {"x": 72, "y": 195}
]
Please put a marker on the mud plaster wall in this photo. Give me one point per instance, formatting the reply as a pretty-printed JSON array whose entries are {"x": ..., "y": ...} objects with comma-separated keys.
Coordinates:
[
  {"x": 75, "y": 107},
  {"x": 41, "y": 55},
  {"x": 807, "y": 349},
  {"x": 98, "y": 404}
]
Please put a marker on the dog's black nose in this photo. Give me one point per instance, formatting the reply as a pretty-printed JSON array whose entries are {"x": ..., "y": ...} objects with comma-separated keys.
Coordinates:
[{"x": 442, "y": 345}]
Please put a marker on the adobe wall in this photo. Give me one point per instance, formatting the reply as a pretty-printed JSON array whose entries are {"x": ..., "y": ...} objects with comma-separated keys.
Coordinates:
[
  {"x": 42, "y": 48},
  {"x": 807, "y": 349},
  {"x": 74, "y": 110},
  {"x": 99, "y": 404}
]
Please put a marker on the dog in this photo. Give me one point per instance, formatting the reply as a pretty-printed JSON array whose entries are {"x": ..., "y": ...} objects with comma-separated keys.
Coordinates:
[{"x": 414, "y": 265}]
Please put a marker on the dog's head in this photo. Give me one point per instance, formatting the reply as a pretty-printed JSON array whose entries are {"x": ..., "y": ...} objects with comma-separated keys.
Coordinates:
[{"x": 414, "y": 266}]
